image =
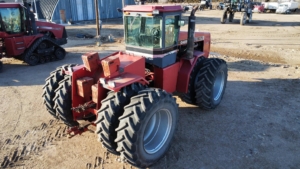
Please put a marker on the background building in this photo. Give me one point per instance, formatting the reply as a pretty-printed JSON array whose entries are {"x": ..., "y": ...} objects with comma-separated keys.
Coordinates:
[{"x": 76, "y": 10}]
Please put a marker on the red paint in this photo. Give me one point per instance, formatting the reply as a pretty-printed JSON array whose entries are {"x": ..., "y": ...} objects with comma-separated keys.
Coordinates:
[
  {"x": 167, "y": 78},
  {"x": 56, "y": 29},
  {"x": 151, "y": 8},
  {"x": 111, "y": 66},
  {"x": 90, "y": 61},
  {"x": 185, "y": 71},
  {"x": 16, "y": 44},
  {"x": 183, "y": 35}
]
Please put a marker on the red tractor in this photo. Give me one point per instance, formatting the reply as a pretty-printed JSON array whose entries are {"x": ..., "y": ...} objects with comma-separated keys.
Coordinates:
[
  {"x": 21, "y": 37},
  {"x": 128, "y": 94}
]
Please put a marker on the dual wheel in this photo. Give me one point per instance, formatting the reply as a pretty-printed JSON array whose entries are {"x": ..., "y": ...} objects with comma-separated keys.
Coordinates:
[
  {"x": 137, "y": 123},
  {"x": 207, "y": 83},
  {"x": 57, "y": 95},
  {"x": 245, "y": 17},
  {"x": 224, "y": 16}
]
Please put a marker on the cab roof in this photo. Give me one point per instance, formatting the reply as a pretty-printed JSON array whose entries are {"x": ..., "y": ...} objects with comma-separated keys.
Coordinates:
[
  {"x": 10, "y": 5},
  {"x": 151, "y": 8}
]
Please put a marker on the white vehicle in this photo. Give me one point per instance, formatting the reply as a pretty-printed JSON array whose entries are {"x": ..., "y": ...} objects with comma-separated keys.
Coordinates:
[
  {"x": 283, "y": 9},
  {"x": 287, "y": 7},
  {"x": 272, "y": 6}
]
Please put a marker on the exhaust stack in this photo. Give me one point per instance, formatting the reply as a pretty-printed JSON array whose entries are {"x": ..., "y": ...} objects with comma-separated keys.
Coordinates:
[{"x": 191, "y": 31}]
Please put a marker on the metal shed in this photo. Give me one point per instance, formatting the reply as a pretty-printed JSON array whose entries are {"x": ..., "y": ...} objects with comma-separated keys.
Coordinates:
[{"x": 76, "y": 10}]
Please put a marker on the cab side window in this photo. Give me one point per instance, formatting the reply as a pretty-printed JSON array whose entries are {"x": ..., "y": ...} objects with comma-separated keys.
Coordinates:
[{"x": 171, "y": 30}]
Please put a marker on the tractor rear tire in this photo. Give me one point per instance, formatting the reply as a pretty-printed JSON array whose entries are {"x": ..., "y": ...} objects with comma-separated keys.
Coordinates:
[
  {"x": 231, "y": 16},
  {"x": 111, "y": 109},
  {"x": 147, "y": 127},
  {"x": 243, "y": 18},
  {"x": 51, "y": 84},
  {"x": 224, "y": 17},
  {"x": 189, "y": 97},
  {"x": 63, "y": 101},
  {"x": 211, "y": 83}
]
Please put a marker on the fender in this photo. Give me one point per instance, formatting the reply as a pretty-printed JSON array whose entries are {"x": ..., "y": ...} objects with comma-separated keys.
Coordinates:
[{"x": 185, "y": 71}]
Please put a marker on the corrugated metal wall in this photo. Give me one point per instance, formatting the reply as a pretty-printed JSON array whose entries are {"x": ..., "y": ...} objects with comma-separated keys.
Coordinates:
[{"x": 78, "y": 10}]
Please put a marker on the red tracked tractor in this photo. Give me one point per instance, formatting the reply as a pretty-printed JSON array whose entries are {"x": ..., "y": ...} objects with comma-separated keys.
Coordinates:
[
  {"x": 128, "y": 94},
  {"x": 21, "y": 37}
]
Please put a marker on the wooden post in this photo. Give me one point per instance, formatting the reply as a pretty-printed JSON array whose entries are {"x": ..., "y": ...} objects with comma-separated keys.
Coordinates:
[{"x": 97, "y": 18}]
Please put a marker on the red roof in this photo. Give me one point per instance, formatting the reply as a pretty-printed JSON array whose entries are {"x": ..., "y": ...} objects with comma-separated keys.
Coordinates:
[
  {"x": 150, "y": 8},
  {"x": 10, "y": 5}
]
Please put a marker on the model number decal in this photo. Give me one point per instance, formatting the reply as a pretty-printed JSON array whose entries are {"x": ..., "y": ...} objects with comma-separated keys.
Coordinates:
[{"x": 196, "y": 39}]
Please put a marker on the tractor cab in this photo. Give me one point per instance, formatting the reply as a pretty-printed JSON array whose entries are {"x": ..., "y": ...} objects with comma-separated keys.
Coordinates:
[{"x": 153, "y": 30}]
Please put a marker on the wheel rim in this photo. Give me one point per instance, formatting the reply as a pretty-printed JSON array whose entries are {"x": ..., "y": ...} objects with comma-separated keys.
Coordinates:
[
  {"x": 218, "y": 85},
  {"x": 157, "y": 131}
]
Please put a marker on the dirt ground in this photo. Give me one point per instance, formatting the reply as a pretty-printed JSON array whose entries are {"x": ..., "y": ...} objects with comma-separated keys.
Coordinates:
[{"x": 255, "y": 126}]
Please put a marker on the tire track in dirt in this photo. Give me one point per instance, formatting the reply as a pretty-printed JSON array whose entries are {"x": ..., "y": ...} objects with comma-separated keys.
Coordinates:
[{"x": 31, "y": 142}]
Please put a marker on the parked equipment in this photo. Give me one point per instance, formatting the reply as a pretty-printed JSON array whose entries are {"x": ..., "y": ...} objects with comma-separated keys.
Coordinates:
[
  {"x": 128, "y": 94},
  {"x": 233, "y": 6},
  {"x": 258, "y": 7},
  {"x": 21, "y": 37},
  {"x": 287, "y": 7},
  {"x": 270, "y": 6},
  {"x": 220, "y": 6},
  {"x": 205, "y": 4}
]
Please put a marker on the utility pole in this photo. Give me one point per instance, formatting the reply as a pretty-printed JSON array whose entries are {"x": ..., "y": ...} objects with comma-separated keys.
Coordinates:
[
  {"x": 98, "y": 43},
  {"x": 97, "y": 17}
]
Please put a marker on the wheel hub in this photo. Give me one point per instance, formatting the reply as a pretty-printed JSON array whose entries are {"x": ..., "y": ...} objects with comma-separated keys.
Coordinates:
[
  {"x": 157, "y": 131},
  {"x": 218, "y": 85}
]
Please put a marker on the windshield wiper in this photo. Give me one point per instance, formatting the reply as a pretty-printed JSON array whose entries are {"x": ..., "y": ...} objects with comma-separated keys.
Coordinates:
[{"x": 134, "y": 20}]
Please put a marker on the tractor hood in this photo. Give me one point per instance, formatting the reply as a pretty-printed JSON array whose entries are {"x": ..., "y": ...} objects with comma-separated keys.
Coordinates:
[{"x": 54, "y": 28}]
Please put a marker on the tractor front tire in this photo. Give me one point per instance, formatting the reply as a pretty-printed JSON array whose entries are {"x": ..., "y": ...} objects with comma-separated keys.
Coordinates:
[
  {"x": 189, "y": 97},
  {"x": 51, "y": 84},
  {"x": 231, "y": 16},
  {"x": 147, "y": 127},
  {"x": 224, "y": 17},
  {"x": 211, "y": 83},
  {"x": 63, "y": 101},
  {"x": 111, "y": 109}
]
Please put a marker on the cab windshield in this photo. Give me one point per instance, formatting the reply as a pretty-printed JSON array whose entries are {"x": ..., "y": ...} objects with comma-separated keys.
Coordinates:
[
  {"x": 143, "y": 31},
  {"x": 10, "y": 20}
]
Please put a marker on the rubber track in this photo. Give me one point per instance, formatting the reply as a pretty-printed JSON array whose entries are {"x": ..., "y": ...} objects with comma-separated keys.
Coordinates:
[
  {"x": 51, "y": 84},
  {"x": 130, "y": 121},
  {"x": 112, "y": 108},
  {"x": 189, "y": 97},
  {"x": 35, "y": 45},
  {"x": 63, "y": 102},
  {"x": 205, "y": 82}
]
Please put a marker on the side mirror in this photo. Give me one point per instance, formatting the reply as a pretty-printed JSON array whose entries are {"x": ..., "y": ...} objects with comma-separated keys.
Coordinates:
[{"x": 181, "y": 22}]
